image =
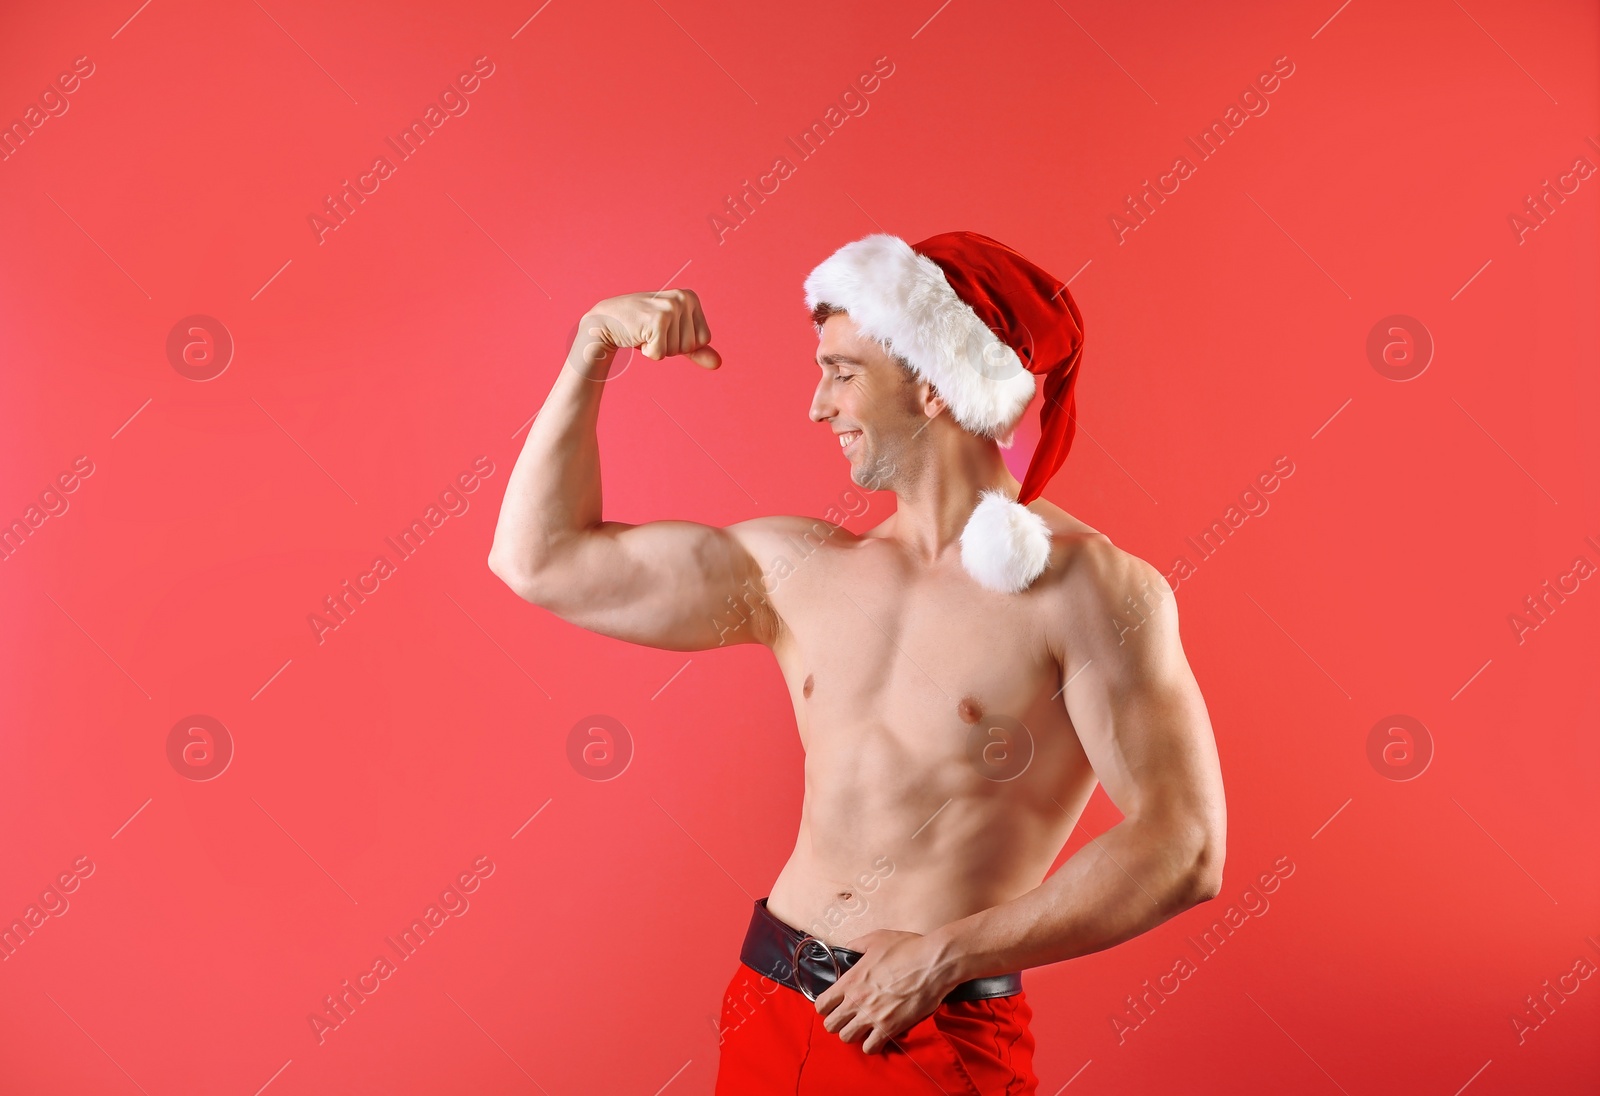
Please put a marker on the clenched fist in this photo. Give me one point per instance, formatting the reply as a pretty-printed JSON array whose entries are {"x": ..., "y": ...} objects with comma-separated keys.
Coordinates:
[{"x": 659, "y": 324}]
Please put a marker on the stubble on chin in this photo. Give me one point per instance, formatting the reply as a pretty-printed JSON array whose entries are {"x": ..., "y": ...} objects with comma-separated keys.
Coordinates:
[{"x": 875, "y": 474}]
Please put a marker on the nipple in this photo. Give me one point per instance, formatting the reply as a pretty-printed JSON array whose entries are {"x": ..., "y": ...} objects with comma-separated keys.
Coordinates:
[
  {"x": 808, "y": 686},
  {"x": 969, "y": 710}
]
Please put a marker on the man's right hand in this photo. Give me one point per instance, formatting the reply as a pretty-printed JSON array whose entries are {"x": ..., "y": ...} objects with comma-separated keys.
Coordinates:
[{"x": 659, "y": 324}]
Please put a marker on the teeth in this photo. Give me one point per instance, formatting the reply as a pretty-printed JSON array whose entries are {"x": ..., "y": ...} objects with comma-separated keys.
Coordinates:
[{"x": 846, "y": 438}]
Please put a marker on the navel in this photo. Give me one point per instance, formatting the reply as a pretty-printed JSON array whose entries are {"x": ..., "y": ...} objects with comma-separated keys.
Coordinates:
[
  {"x": 969, "y": 710},
  {"x": 810, "y": 684}
]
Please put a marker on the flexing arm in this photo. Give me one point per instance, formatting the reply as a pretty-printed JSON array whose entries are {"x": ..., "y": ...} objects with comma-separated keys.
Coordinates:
[
  {"x": 1143, "y": 725},
  {"x": 664, "y": 583}
]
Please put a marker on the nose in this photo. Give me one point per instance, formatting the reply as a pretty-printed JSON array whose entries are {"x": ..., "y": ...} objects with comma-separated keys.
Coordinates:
[{"x": 821, "y": 402}]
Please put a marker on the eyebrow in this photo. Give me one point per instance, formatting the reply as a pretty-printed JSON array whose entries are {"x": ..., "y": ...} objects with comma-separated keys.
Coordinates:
[{"x": 835, "y": 359}]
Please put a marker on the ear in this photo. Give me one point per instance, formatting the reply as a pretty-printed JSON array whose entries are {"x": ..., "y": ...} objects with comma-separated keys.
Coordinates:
[{"x": 933, "y": 404}]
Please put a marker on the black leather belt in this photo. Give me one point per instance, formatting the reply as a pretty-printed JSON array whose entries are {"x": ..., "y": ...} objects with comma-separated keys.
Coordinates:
[{"x": 802, "y": 962}]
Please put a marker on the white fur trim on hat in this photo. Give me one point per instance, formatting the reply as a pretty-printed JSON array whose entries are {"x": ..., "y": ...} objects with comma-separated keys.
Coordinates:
[
  {"x": 903, "y": 300},
  {"x": 1004, "y": 545}
]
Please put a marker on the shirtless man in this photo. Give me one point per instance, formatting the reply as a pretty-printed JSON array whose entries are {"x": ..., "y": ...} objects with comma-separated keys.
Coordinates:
[{"x": 952, "y": 733}]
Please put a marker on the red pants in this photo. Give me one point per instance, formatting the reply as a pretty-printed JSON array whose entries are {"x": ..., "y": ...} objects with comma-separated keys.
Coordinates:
[{"x": 773, "y": 1041}]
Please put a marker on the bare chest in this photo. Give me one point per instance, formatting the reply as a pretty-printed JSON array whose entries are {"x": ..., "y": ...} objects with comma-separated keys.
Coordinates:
[{"x": 872, "y": 643}]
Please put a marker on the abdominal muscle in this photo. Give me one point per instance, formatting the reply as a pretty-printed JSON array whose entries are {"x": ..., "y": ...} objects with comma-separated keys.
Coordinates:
[{"x": 902, "y": 831}]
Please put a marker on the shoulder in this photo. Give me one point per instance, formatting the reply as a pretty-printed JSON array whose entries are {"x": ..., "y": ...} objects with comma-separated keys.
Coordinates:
[
  {"x": 1097, "y": 592},
  {"x": 780, "y": 541}
]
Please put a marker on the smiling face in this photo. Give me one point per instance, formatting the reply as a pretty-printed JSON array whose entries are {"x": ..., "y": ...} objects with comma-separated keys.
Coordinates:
[{"x": 874, "y": 405}]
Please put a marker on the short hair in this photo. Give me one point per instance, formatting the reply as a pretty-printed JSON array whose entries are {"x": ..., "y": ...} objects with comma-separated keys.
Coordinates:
[{"x": 819, "y": 316}]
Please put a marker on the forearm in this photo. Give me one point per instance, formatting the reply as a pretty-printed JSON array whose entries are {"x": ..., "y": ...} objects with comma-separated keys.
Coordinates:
[
  {"x": 553, "y": 493},
  {"x": 1123, "y": 883}
]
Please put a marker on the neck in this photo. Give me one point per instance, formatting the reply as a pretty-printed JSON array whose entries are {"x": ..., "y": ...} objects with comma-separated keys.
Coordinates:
[{"x": 937, "y": 494}]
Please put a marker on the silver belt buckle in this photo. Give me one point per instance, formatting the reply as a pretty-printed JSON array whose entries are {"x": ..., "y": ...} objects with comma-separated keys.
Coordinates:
[{"x": 806, "y": 941}]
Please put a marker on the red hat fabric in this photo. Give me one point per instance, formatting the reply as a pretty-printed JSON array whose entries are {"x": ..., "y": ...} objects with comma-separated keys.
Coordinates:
[{"x": 1032, "y": 312}]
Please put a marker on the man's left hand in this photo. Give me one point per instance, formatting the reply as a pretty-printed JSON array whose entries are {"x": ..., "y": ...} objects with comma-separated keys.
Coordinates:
[{"x": 900, "y": 978}]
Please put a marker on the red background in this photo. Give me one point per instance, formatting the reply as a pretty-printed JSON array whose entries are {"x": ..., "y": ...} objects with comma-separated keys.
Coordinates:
[{"x": 424, "y": 732}]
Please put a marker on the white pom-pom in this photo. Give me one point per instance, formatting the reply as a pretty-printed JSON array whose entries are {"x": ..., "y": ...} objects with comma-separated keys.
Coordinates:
[{"x": 1005, "y": 546}]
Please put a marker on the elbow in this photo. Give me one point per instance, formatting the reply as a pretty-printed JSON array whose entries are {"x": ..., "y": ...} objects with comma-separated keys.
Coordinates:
[
  {"x": 522, "y": 580},
  {"x": 1204, "y": 879}
]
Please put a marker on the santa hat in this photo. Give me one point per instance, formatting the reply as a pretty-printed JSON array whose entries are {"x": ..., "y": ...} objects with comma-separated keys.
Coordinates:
[{"x": 979, "y": 321}]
